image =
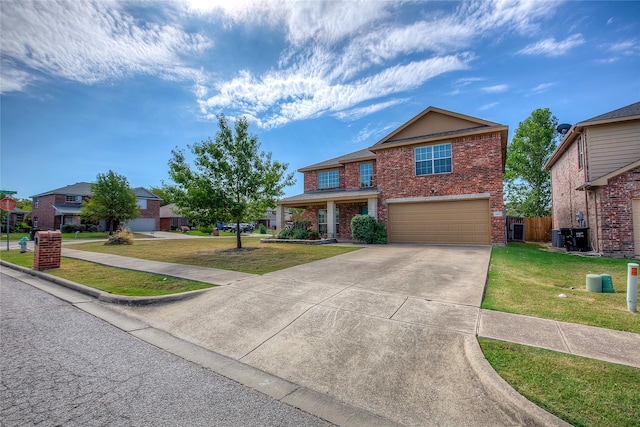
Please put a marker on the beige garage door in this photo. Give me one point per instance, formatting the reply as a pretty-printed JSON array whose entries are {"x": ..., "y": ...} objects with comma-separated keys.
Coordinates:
[{"x": 458, "y": 222}]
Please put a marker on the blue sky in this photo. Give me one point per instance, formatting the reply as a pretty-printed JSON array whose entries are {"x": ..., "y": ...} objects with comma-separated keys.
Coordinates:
[{"x": 89, "y": 87}]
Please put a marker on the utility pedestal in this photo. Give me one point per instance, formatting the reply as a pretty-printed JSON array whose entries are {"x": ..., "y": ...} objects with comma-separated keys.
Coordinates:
[{"x": 48, "y": 250}]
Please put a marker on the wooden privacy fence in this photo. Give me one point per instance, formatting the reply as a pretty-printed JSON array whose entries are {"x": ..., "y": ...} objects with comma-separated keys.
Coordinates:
[{"x": 535, "y": 229}]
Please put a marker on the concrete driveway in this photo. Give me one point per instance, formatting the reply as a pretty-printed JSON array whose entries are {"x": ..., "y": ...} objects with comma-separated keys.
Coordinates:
[{"x": 384, "y": 328}]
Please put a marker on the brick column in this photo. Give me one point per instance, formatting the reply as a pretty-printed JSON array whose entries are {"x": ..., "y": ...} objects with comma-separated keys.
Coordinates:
[
  {"x": 279, "y": 218},
  {"x": 48, "y": 250}
]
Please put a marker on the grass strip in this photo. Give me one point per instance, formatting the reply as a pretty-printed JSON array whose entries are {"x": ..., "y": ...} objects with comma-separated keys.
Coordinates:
[
  {"x": 254, "y": 257},
  {"x": 527, "y": 278},
  {"x": 581, "y": 391},
  {"x": 110, "y": 279}
]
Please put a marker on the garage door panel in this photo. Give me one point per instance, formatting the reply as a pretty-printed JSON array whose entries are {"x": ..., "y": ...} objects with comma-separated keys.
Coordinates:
[{"x": 453, "y": 222}]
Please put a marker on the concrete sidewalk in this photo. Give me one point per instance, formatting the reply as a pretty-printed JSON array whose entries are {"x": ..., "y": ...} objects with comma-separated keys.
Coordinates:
[
  {"x": 390, "y": 331},
  {"x": 587, "y": 341}
]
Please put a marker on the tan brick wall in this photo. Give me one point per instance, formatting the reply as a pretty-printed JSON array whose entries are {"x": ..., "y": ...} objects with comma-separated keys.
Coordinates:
[{"x": 566, "y": 201}]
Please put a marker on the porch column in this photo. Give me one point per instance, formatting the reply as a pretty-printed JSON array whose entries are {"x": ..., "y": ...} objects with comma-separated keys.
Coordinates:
[
  {"x": 372, "y": 207},
  {"x": 331, "y": 219},
  {"x": 279, "y": 218}
]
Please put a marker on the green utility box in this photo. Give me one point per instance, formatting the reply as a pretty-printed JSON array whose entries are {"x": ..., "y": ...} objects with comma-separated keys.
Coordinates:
[{"x": 607, "y": 284}]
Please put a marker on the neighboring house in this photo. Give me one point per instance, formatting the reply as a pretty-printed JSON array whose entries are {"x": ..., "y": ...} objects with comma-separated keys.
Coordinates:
[
  {"x": 170, "y": 219},
  {"x": 17, "y": 216},
  {"x": 270, "y": 218},
  {"x": 595, "y": 181},
  {"x": 54, "y": 208},
  {"x": 435, "y": 179}
]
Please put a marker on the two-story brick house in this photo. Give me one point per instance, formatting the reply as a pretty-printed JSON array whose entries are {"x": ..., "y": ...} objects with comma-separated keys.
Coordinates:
[
  {"x": 435, "y": 179},
  {"x": 54, "y": 208},
  {"x": 595, "y": 181}
]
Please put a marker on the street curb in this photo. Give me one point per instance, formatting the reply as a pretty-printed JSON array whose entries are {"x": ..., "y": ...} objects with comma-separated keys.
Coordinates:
[
  {"x": 106, "y": 296},
  {"x": 502, "y": 391}
]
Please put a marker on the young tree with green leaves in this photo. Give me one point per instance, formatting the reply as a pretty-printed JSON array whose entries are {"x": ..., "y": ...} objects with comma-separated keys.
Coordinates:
[
  {"x": 527, "y": 182},
  {"x": 163, "y": 192},
  {"x": 230, "y": 181},
  {"x": 111, "y": 200}
]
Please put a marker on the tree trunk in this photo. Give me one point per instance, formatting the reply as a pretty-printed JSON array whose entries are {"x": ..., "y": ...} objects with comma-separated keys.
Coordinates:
[{"x": 238, "y": 240}]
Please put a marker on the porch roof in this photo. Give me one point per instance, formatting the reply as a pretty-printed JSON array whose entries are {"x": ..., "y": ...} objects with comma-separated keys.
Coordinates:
[
  {"x": 66, "y": 210},
  {"x": 342, "y": 195}
]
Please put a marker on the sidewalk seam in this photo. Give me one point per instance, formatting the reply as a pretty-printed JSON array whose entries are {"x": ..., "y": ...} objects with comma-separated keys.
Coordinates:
[{"x": 564, "y": 339}]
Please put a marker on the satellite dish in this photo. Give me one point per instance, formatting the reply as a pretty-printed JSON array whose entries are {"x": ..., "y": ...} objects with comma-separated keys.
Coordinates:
[{"x": 563, "y": 128}]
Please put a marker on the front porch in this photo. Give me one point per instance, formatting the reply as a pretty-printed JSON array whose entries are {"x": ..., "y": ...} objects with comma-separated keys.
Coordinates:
[{"x": 331, "y": 211}]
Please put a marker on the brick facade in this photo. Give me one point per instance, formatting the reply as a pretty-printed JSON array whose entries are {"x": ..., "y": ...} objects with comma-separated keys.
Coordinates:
[
  {"x": 48, "y": 250},
  {"x": 477, "y": 149},
  {"x": 44, "y": 215},
  {"x": 614, "y": 221},
  {"x": 476, "y": 169},
  {"x": 567, "y": 200},
  {"x": 45, "y": 212},
  {"x": 606, "y": 209}
]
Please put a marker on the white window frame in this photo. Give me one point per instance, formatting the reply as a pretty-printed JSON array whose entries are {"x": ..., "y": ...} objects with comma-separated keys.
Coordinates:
[
  {"x": 366, "y": 176},
  {"x": 327, "y": 179},
  {"x": 73, "y": 199},
  {"x": 430, "y": 157},
  {"x": 580, "y": 153},
  {"x": 142, "y": 203},
  {"x": 323, "y": 216}
]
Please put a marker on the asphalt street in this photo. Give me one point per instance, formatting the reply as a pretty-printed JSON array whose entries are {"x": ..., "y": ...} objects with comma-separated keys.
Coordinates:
[{"x": 62, "y": 366}]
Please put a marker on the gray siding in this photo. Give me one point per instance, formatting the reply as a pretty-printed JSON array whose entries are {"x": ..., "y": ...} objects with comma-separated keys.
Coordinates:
[{"x": 611, "y": 147}]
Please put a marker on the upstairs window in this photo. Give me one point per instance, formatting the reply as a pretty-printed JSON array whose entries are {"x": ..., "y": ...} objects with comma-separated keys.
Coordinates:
[
  {"x": 366, "y": 175},
  {"x": 329, "y": 179},
  {"x": 580, "y": 153},
  {"x": 142, "y": 203},
  {"x": 433, "y": 159},
  {"x": 36, "y": 203},
  {"x": 73, "y": 199}
]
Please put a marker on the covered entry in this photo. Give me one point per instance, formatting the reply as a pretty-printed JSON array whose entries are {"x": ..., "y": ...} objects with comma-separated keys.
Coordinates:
[{"x": 447, "y": 222}]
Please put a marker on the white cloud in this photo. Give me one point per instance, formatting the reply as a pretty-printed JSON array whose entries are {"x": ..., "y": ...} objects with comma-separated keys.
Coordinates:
[
  {"x": 91, "y": 42},
  {"x": 553, "y": 48},
  {"x": 541, "y": 88},
  {"x": 281, "y": 97},
  {"x": 357, "y": 113},
  {"x": 495, "y": 88},
  {"x": 488, "y": 106},
  {"x": 372, "y": 135},
  {"x": 625, "y": 47}
]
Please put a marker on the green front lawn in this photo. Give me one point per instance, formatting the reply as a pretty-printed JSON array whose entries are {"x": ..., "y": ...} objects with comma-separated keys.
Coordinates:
[
  {"x": 527, "y": 278},
  {"x": 254, "y": 257},
  {"x": 583, "y": 392}
]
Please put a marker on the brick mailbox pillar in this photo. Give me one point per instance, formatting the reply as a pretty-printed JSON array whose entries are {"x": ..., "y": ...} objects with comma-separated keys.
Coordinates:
[{"x": 48, "y": 250}]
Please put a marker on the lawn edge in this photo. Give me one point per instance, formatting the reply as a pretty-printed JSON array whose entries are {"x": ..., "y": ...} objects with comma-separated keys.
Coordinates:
[{"x": 106, "y": 296}]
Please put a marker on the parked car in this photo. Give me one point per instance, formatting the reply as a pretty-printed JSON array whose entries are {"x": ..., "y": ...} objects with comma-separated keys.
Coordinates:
[{"x": 244, "y": 228}]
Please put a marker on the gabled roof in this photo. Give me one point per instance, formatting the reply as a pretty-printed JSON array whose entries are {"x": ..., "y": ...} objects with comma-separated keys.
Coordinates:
[
  {"x": 630, "y": 112},
  {"x": 143, "y": 193},
  {"x": 341, "y": 194},
  {"x": 77, "y": 189},
  {"x": 169, "y": 211},
  {"x": 435, "y": 124},
  {"x": 356, "y": 156},
  {"x": 604, "y": 180},
  {"x": 621, "y": 113},
  {"x": 432, "y": 124},
  {"x": 84, "y": 189}
]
